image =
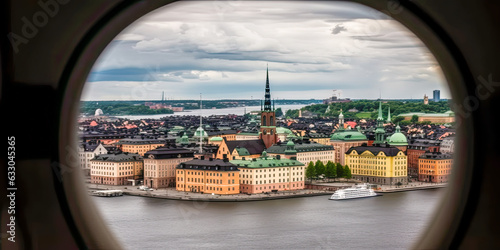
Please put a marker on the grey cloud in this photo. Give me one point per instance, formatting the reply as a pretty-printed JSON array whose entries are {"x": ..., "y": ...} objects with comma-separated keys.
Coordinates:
[{"x": 338, "y": 28}]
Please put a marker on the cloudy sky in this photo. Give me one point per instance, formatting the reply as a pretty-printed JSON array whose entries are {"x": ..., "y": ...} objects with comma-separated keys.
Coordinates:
[{"x": 221, "y": 49}]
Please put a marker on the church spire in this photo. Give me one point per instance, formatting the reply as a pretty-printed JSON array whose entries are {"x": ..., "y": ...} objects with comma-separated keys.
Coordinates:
[
  {"x": 267, "y": 99},
  {"x": 341, "y": 121},
  {"x": 380, "y": 112},
  {"x": 389, "y": 115},
  {"x": 380, "y": 131}
]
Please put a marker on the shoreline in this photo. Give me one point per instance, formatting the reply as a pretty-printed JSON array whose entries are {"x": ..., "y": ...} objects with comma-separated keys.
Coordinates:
[{"x": 172, "y": 194}]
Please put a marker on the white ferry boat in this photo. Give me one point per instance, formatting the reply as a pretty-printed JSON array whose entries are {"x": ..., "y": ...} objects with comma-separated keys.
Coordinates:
[{"x": 357, "y": 191}]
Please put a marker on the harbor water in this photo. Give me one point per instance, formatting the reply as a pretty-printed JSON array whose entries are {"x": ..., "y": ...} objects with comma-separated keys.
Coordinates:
[{"x": 391, "y": 221}]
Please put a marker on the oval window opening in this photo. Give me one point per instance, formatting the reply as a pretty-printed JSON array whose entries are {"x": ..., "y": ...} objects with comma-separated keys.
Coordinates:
[{"x": 202, "y": 102}]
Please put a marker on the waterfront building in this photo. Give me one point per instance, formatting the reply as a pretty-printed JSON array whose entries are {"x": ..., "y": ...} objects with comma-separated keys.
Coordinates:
[
  {"x": 398, "y": 140},
  {"x": 116, "y": 169},
  {"x": 268, "y": 118},
  {"x": 217, "y": 176},
  {"x": 342, "y": 140},
  {"x": 139, "y": 145},
  {"x": 239, "y": 149},
  {"x": 87, "y": 151},
  {"x": 382, "y": 164},
  {"x": 304, "y": 152},
  {"x": 434, "y": 167},
  {"x": 270, "y": 174},
  {"x": 415, "y": 149},
  {"x": 160, "y": 164}
]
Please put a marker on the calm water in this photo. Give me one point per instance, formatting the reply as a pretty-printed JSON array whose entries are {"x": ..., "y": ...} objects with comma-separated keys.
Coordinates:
[
  {"x": 209, "y": 112},
  {"x": 392, "y": 221}
]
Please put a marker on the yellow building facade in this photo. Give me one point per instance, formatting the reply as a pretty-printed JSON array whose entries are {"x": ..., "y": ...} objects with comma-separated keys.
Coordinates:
[
  {"x": 208, "y": 176},
  {"x": 377, "y": 164}
]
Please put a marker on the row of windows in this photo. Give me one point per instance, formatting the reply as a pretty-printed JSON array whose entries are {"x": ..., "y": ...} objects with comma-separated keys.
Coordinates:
[
  {"x": 377, "y": 173},
  {"x": 423, "y": 171},
  {"x": 211, "y": 181},
  {"x": 250, "y": 182},
  {"x": 207, "y": 174},
  {"x": 271, "y": 169},
  {"x": 200, "y": 188},
  {"x": 434, "y": 166},
  {"x": 273, "y": 187},
  {"x": 435, "y": 161}
]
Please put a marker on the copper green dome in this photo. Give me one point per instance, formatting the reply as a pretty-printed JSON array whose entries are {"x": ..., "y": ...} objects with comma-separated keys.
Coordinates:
[
  {"x": 398, "y": 138},
  {"x": 200, "y": 132}
]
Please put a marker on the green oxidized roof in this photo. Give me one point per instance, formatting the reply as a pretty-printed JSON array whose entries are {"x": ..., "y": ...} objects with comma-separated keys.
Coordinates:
[
  {"x": 348, "y": 135},
  {"x": 266, "y": 162},
  {"x": 217, "y": 138},
  {"x": 177, "y": 128},
  {"x": 398, "y": 138},
  {"x": 200, "y": 132},
  {"x": 242, "y": 151}
]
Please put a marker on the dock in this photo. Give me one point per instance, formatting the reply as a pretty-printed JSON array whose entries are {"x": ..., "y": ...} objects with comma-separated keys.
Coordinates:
[{"x": 106, "y": 193}]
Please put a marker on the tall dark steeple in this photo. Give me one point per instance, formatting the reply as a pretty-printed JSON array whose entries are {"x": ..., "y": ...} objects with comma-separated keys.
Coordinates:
[
  {"x": 268, "y": 118},
  {"x": 267, "y": 96}
]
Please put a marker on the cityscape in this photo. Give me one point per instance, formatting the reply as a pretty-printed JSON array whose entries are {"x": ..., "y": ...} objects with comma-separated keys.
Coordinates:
[
  {"x": 156, "y": 152},
  {"x": 248, "y": 144}
]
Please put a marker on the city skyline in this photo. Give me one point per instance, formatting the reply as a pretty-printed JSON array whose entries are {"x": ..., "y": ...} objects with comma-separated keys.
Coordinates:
[{"x": 221, "y": 49}]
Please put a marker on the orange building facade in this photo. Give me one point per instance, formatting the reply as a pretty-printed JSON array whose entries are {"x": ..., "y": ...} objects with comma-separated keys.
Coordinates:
[
  {"x": 434, "y": 167},
  {"x": 414, "y": 150},
  {"x": 208, "y": 176}
]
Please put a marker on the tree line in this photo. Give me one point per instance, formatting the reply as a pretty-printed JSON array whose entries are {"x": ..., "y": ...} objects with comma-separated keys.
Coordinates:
[
  {"x": 330, "y": 171},
  {"x": 371, "y": 106}
]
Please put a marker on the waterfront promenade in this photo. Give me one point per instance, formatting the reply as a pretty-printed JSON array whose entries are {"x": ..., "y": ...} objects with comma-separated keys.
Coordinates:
[
  {"x": 412, "y": 186},
  {"x": 172, "y": 194}
]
